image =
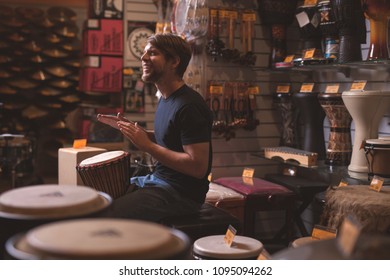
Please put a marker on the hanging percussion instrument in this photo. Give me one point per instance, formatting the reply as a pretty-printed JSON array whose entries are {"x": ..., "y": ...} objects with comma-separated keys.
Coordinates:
[
  {"x": 103, "y": 239},
  {"x": 378, "y": 12},
  {"x": 312, "y": 116},
  {"x": 26, "y": 207},
  {"x": 367, "y": 109},
  {"x": 214, "y": 247},
  {"x": 278, "y": 14},
  {"x": 108, "y": 172},
  {"x": 377, "y": 152},
  {"x": 328, "y": 29},
  {"x": 339, "y": 148}
]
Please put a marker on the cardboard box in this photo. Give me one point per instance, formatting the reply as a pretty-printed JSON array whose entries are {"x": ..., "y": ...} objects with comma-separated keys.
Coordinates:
[
  {"x": 101, "y": 74},
  {"x": 103, "y": 37},
  {"x": 68, "y": 158}
]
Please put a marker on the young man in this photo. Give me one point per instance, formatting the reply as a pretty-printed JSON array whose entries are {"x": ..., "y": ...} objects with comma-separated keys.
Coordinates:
[{"x": 181, "y": 141}]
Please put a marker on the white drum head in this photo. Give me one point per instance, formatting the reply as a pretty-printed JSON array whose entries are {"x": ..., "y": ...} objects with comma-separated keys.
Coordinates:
[
  {"x": 104, "y": 239},
  {"x": 51, "y": 201},
  {"x": 379, "y": 141},
  {"x": 102, "y": 158},
  {"x": 215, "y": 247},
  {"x": 366, "y": 93}
]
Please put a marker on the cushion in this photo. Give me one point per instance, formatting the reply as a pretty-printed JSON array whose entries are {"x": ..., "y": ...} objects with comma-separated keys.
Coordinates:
[{"x": 259, "y": 187}]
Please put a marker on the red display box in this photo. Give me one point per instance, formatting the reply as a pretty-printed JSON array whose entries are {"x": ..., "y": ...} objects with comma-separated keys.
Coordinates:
[{"x": 103, "y": 37}]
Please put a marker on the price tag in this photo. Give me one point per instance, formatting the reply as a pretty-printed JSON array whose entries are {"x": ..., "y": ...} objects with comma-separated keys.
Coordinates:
[
  {"x": 283, "y": 89},
  {"x": 79, "y": 143},
  {"x": 216, "y": 89},
  {"x": 307, "y": 87},
  {"x": 210, "y": 177},
  {"x": 349, "y": 233},
  {"x": 289, "y": 58},
  {"x": 229, "y": 236},
  {"x": 376, "y": 183},
  {"x": 254, "y": 90},
  {"x": 343, "y": 183},
  {"x": 233, "y": 14},
  {"x": 321, "y": 233},
  {"x": 249, "y": 16},
  {"x": 248, "y": 172},
  {"x": 358, "y": 85},
  {"x": 309, "y": 53},
  {"x": 264, "y": 255},
  {"x": 310, "y": 2},
  {"x": 332, "y": 88}
]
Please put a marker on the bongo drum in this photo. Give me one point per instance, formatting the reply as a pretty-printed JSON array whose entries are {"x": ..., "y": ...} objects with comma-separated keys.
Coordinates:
[
  {"x": 370, "y": 208},
  {"x": 378, "y": 12},
  {"x": 339, "y": 148},
  {"x": 367, "y": 110},
  {"x": 100, "y": 239},
  {"x": 278, "y": 14},
  {"x": 108, "y": 172},
  {"x": 312, "y": 116},
  {"x": 26, "y": 207},
  {"x": 377, "y": 153},
  {"x": 214, "y": 247}
]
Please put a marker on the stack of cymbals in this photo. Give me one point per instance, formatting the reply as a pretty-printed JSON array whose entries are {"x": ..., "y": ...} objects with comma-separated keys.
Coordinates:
[{"x": 39, "y": 70}]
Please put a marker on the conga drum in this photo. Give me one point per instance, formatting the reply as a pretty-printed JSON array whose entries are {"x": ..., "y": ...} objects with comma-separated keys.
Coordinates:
[
  {"x": 377, "y": 153},
  {"x": 309, "y": 19},
  {"x": 312, "y": 117},
  {"x": 371, "y": 209},
  {"x": 108, "y": 172},
  {"x": 278, "y": 14},
  {"x": 351, "y": 25},
  {"x": 367, "y": 109},
  {"x": 213, "y": 247},
  {"x": 378, "y": 12},
  {"x": 328, "y": 29},
  {"x": 26, "y": 207},
  {"x": 103, "y": 239},
  {"x": 287, "y": 110},
  {"x": 339, "y": 148}
]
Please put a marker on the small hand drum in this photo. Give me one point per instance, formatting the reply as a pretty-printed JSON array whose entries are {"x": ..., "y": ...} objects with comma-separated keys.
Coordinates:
[{"x": 107, "y": 172}]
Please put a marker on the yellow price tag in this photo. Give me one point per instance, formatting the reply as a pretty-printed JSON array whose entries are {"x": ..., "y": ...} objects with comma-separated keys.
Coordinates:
[
  {"x": 309, "y": 53},
  {"x": 254, "y": 90},
  {"x": 310, "y": 2},
  {"x": 332, "y": 88},
  {"x": 264, "y": 255},
  {"x": 343, "y": 183},
  {"x": 229, "y": 236},
  {"x": 79, "y": 143},
  {"x": 283, "y": 89},
  {"x": 320, "y": 232},
  {"x": 307, "y": 88},
  {"x": 216, "y": 89},
  {"x": 358, "y": 85},
  {"x": 248, "y": 172},
  {"x": 249, "y": 16},
  {"x": 289, "y": 58},
  {"x": 376, "y": 183}
]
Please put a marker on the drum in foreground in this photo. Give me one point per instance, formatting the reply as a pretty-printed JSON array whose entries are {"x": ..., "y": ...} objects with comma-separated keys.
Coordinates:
[
  {"x": 108, "y": 172},
  {"x": 24, "y": 208},
  {"x": 100, "y": 239},
  {"x": 377, "y": 153},
  {"x": 214, "y": 247}
]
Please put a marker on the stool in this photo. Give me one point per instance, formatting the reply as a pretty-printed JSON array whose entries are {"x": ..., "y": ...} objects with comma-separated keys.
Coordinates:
[
  {"x": 226, "y": 199},
  {"x": 210, "y": 220},
  {"x": 305, "y": 190},
  {"x": 262, "y": 195}
]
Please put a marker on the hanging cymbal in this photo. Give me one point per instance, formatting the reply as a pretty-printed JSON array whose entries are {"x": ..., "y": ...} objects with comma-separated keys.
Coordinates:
[
  {"x": 58, "y": 71},
  {"x": 30, "y": 13},
  {"x": 45, "y": 23},
  {"x": 53, "y": 38},
  {"x": 40, "y": 76},
  {"x": 61, "y": 83},
  {"x": 13, "y": 22},
  {"x": 68, "y": 31},
  {"x": 16, "y": 37},
  {"x": 48, "y": 91},
  {"x": 33, "y": 46},
  {"x": 32, "y": 112},
  {"x": 5, "y": 89},
  {"x": 37, "y": 59},
  {"x": 5, "y": 74},
  {"x": 61, "y": 14},
  {"x": 22, "y": 83},
  {"x": 55, "y": 53}
]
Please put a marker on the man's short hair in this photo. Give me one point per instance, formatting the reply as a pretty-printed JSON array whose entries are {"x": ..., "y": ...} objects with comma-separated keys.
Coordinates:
[{"x": 171, "y": 46}]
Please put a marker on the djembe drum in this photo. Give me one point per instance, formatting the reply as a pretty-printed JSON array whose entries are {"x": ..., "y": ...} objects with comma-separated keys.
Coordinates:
[
  {"x": 108, "y": 172},
  {"x": 377, "y": 152},
  {"x": 367, "y": 110},
  {"x": 102, "y": 239},
  {"x": 308, "y": 19},
  {"x": 328, "y": 29},
  {"x": 312, "y": 116},
  {"x": 24, "y": 208},
  {"x": 340, "y": 145},
  {"x": 286, "y": 108},
  {"x": 351, "y": 25},
  {"x": 278, "y": 14},
  {"x": 378, "y": 12}
]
